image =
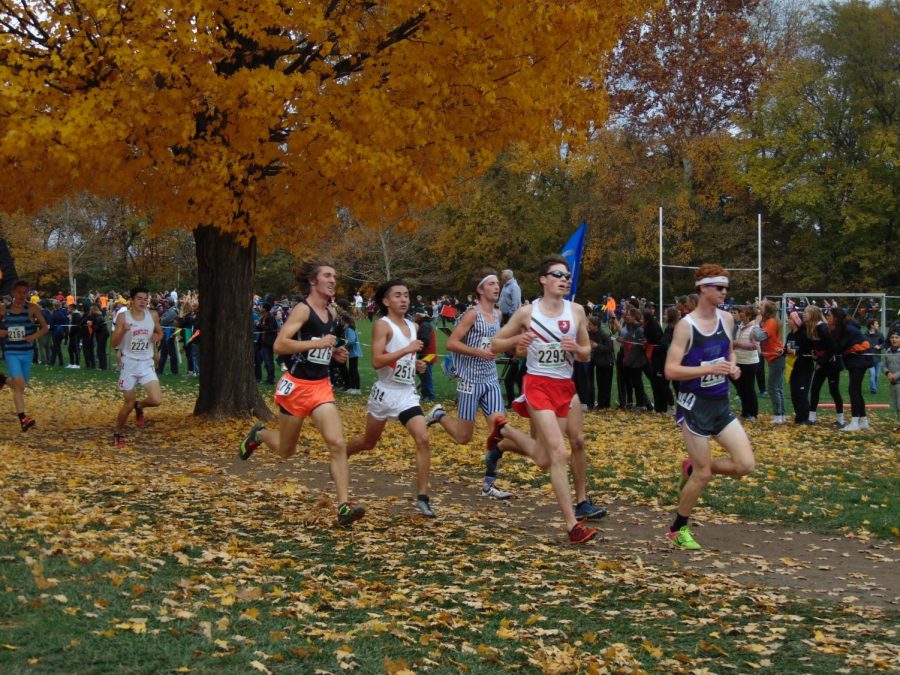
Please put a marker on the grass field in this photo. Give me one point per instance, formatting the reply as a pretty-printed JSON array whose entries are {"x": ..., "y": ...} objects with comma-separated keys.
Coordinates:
[{"x": 166, "y": 558}]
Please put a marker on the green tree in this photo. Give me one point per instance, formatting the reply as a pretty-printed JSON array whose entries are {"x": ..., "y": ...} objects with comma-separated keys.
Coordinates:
[{"x": 820, "y": 148}]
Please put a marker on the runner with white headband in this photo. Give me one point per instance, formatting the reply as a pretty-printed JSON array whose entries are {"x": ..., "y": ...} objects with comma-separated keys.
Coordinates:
[
  {"x": 477, "y": 385},
  {"x": 701, "y": 358}
]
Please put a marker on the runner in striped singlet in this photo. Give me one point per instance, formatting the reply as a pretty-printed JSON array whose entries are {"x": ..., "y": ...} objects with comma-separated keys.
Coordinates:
[{"x": 477, "y": 385}]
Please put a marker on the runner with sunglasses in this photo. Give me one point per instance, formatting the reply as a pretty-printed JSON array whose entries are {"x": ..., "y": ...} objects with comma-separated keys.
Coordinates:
[
  {"x": 554, "y": 332},
  {"x": 701, "y": 358}
]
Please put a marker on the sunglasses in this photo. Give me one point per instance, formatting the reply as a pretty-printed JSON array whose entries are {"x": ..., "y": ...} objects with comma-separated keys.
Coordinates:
[
  {"x": 718, "y": 288},
  {"x": 560, "y": 275}
]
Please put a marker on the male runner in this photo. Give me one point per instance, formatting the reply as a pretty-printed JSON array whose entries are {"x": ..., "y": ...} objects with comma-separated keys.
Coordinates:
[
  {"x": 22, "y": 325},
  {"x": 136, "y": 333},
  {"x": 393, "y": 396},
  {"x": 701, "y": 358},
  {"x": 554, "y": 332},
  {"x": 478, "y": 385},
  {"x": 308, "y": 338}
]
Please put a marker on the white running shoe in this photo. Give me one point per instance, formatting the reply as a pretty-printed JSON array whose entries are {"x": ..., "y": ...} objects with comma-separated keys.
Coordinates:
[
  {"x": 864, "y": 423},
  {"x": 424, "y": 506},
  {"x": 435, "y": 414},
  {"x": 493, "y": 491}
]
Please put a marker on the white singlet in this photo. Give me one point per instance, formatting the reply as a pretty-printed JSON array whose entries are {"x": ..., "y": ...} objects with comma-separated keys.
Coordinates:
[
  {"x": 402, "y": 373},
  {"x": 136, "y": 344},
  {"x": 546, "y": 356}
]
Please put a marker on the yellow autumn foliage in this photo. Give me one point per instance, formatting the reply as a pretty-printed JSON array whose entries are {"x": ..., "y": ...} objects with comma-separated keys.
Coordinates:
[{"x": 262, "y": 118}]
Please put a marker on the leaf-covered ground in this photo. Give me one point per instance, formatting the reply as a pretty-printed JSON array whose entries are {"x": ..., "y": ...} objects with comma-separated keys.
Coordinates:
[{"x": 174, "y": 556}]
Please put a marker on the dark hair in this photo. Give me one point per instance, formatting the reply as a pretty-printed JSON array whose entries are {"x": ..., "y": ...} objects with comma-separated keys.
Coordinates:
[
  {"x": 871, "y": 322},
  {"x": 138, "y": 289},
  {"x": 671, "y": 316},
  {"x": 840, "y": 322},
  {"x": 549, "y": 262},
  {"x": 20, "y": 283},
  {"x": 349, "y": 321},
  {"x": 481, "y": 274},
  {"x": 267, "y": 306},
  {"x": 307, "y": 272},
  {"x": 383, "y": 290}
]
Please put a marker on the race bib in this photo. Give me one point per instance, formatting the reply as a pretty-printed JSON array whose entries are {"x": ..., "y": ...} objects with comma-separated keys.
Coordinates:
[
  {"x": 486, "y": 342},
  {"x": 321, "y": 355},
  {"x": 15, "y": 333},
  {"x": 551, "y": 355},
  {"x": 686, "y": 400},
  {"x": 465, "y": 387},
  {"x": 284, "y": 387},
  {"x": 139, "y": 345},
  {"x": 711, "y": 380},
  {"x": 377, "y": 394},
  {"x": 405, "y": 370}
]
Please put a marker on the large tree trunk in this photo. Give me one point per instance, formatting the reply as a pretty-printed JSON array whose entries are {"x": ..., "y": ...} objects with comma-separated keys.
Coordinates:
[{"x": 225, "y": 272}]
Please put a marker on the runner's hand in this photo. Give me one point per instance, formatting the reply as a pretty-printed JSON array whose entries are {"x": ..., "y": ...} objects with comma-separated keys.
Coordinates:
[
  {"x": 722, "y": 368},
  {"x": 569, "y": 344},
  {"x": 485, "y": 354},
  {"x": 340, "y": 355},
  {"x": 421, "y": 366},
  {"x": 326, "y": 341},
  {"x": 524, "y": 339},
  {"x": 735, "y": 372},
  {"x": 415, "y": 346}
]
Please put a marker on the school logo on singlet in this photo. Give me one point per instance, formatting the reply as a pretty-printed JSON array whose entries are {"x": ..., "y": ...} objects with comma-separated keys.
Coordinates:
[{"x": 563, "y": 326}]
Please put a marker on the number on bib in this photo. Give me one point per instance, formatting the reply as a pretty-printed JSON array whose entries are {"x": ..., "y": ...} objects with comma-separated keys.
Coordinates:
[
  {"x": 551, "y": 355},
  {"x": 285, "y": 386},
  {"x": 712, "y": 380},
  {"x": 486, "y": 342},
  {"x": 686, "y": 400},
  {"x": 465, "y": 387},
  {"x": 404, "y": 370},
  {"x": 321, "y": 355},
  {"x": 139, "y": 345},
  {"x": 15, "y": 333},
  {"x": 377, "y": 394}
]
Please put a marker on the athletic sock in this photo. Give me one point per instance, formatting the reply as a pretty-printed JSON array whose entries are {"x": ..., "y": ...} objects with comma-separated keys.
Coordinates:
[
  {"x": 840, "y": 418},
  {"x": 489, "y": 480},
  {"x": 422, "y": 498},
  {"x": 21, "y": 416},
  {"x": 680, "y": 521}
]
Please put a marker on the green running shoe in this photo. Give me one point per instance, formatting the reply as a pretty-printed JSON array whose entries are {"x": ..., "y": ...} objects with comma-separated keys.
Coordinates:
[
  {"x": 251, "y": 441},
  {"x": 349, "y": 512},
  {"x": 683, "y": 539}
]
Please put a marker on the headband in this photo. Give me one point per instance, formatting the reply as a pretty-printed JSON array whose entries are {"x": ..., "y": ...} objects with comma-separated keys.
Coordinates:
[
  {"x": 489, "y": 277},
  {"x": 709, "y": 281}
]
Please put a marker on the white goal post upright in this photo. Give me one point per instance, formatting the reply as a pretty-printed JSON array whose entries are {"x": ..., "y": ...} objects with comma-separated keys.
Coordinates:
[
  {"x": 838, "y": 295},
  {"x": 757, "y": 269}
]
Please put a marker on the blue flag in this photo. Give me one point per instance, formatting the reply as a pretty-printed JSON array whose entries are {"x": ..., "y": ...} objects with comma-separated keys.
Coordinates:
[{"x": 572, "y": 252}]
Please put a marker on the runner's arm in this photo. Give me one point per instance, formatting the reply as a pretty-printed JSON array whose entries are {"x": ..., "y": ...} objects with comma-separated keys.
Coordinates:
[
  {"x": 455, "y": 342},
  {"x": 285, "y": 344},
  {"x": 157, "y": 327},
  {"x": 515, "y": 333},
  {"x": 581, "y": 345},
  {"x": 119, "y": 331}
]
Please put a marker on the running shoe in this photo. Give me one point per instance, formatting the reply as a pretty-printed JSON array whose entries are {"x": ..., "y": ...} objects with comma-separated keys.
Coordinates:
[
  {"x": 139, "y": 415},
  {"x": 581, "y": 533},
  {"x": 349, "y": 512},
  {"x": 424, "y": 506},
  {"x": 251, "y": 441},
  {"x": 685, "y": 474},
  {"x": 494, "y": 437},
  {"x": 491, "y": 490},
  {"x": 27, "y": 423},
  {"x": 434, "y": 415},
  {"x": 683, "y": 539},
  {"x": 587, "y": 510},
  {"x": 119, "y": 440}
]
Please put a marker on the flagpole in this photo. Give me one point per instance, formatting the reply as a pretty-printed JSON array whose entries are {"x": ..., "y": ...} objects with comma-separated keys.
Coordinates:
[{"x": 659, "y": 312}]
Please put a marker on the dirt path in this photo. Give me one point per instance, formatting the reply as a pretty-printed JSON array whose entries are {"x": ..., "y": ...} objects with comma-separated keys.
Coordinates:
[{"x": 827, "y": 567}]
